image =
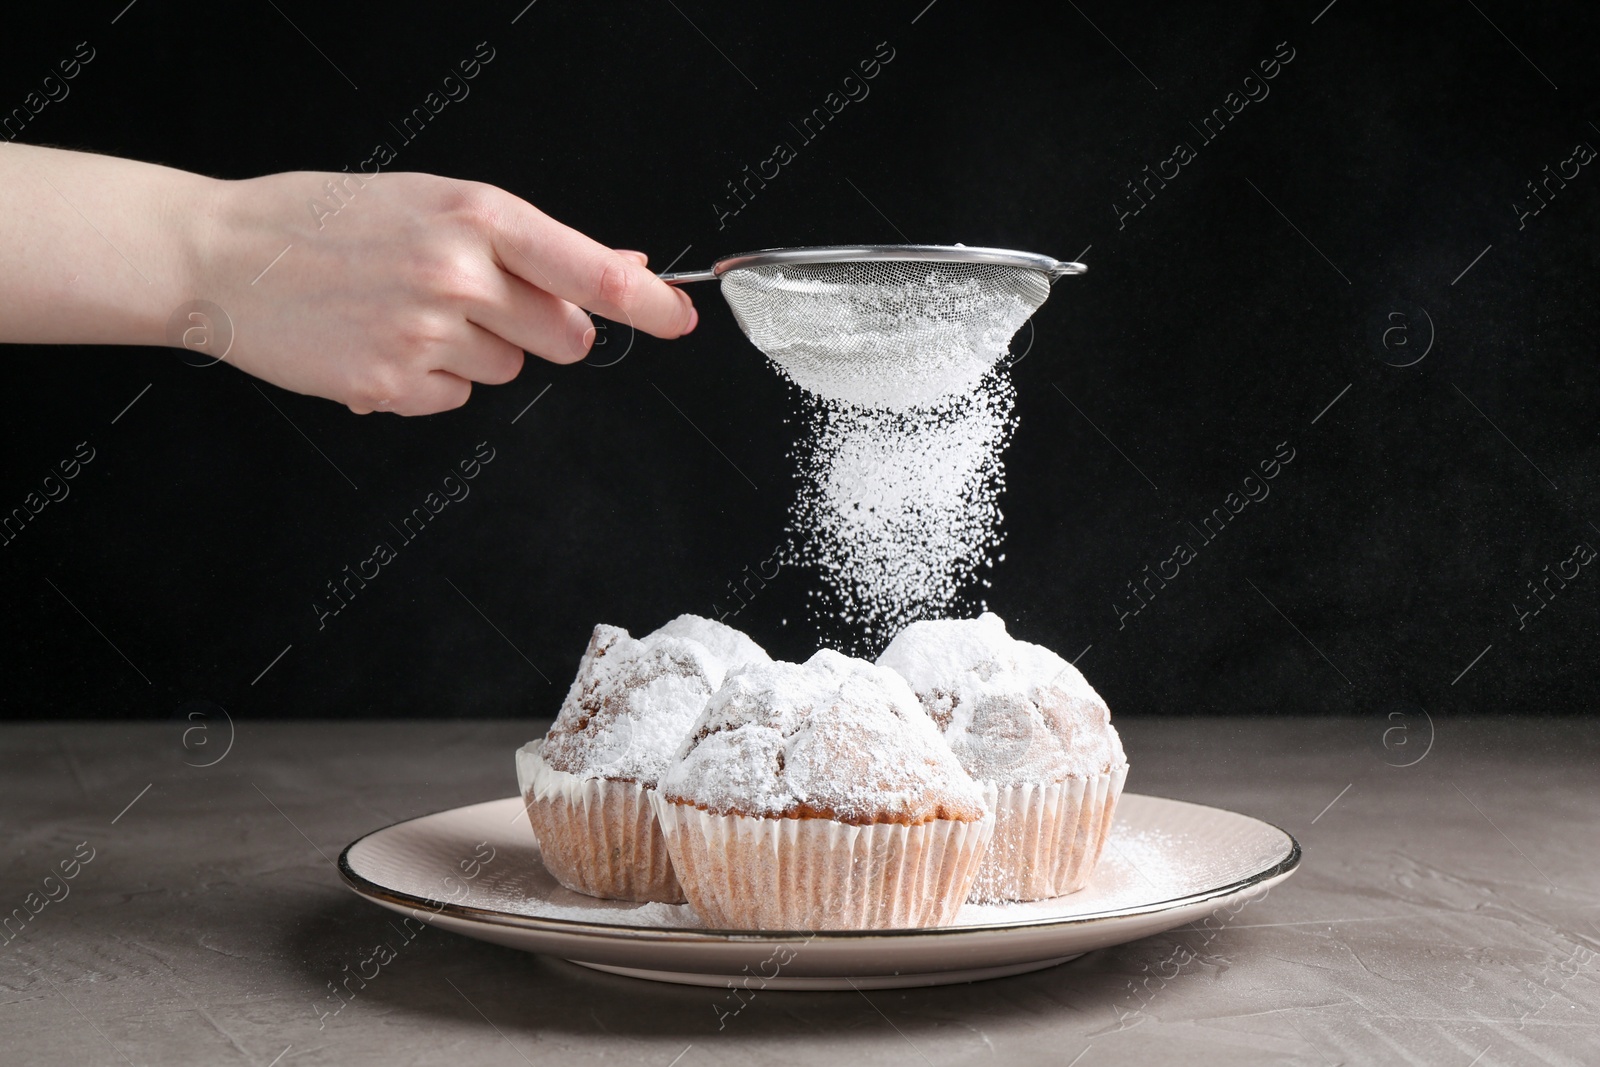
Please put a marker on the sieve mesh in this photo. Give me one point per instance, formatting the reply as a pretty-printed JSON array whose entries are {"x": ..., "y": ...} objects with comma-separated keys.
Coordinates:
[{"x": 892, "y": 334}]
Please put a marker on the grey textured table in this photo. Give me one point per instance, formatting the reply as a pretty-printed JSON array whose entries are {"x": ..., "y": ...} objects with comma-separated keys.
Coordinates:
[{"x": 1447, "y": 913}]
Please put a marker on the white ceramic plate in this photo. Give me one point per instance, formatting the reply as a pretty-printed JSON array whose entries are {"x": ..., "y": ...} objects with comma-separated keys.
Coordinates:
[{"x": 476, "y": 871}]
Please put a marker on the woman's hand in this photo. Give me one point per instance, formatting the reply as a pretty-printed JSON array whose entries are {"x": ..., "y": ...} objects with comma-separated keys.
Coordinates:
[
  {"x": 397, "y": 292},
  {"x": 392, "y": 292}
]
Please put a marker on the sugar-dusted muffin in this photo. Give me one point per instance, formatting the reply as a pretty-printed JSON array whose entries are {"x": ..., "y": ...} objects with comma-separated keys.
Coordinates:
[
  {"x": 1031, "y": 729},
  {"x": 819, "y": 796},
  {"x": 586, "y": 785}
]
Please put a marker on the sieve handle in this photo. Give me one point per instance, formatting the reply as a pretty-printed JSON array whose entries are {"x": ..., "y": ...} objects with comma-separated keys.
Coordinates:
[
  {"x": 681, "y": 276},
  {"x": 1056, "y": 268}
]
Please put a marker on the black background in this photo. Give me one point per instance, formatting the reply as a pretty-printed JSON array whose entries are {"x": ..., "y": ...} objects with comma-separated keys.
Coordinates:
[{"x": 1220, "y": 321}]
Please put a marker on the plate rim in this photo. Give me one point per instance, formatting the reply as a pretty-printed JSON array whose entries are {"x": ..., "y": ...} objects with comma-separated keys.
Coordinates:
[{"x": 370, "y": 890}]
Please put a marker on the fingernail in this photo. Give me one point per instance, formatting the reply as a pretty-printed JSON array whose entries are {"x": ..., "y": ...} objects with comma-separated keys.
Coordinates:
[
  {"x": 631, "y": 254},
  {"x": 587, "y": 341},
  {"x": 694, "y": 320}
]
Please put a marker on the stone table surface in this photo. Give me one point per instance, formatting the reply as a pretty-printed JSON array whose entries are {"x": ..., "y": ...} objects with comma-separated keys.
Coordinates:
[{"x": 1447, "y": 913}]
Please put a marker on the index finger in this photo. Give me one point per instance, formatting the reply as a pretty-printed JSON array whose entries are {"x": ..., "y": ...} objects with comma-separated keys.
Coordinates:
[{"x": 567, "y": 264}]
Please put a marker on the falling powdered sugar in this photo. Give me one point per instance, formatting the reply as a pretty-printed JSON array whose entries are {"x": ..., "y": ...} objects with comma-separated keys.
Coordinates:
[
  {"x": 908, "y": 412},
  {"x": 899, "y": 511}
]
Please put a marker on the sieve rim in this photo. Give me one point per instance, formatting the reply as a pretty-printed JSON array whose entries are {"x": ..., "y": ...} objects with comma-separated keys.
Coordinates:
[{"x": 958, "y": 253}]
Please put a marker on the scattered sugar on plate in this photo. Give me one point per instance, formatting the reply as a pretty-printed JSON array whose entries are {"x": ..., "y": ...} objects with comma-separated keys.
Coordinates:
[{"x": 619, "y": 912}]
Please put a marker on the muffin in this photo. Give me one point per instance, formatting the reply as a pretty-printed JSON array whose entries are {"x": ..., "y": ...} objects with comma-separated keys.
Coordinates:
[
  {"x": 1035, "y": 734},
  {"x": 586, "y": 785},
  {"x": 818, "y": 796}
]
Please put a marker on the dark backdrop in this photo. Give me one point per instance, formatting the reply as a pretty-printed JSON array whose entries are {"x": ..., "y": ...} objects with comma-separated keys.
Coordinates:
[{"x": 1362, "y": 215}]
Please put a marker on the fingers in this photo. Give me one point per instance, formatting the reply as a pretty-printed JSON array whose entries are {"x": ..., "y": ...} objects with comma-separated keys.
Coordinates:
[
  {"x": 532, "y": 320},
  {"x": 475, "y": 356},
  {"x": 435, "y": 391},
  {"x": 439, "y": 391},
  {"x": 528, "y": 295},
  {"x": 566, "y": 264},
  {"x": 483, "y": 357},
  {"x": 489, "y": 351}
]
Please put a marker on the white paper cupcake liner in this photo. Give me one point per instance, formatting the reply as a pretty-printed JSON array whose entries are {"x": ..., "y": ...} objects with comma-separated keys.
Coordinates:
[
  {"x": 1047, "y": 838},
  {"x": 597, "y": 836},
  {"x": 750, "y": 873}
]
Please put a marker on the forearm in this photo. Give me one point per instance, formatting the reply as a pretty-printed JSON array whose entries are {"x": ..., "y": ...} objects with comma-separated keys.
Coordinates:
[{"x": 95, "y": 249}]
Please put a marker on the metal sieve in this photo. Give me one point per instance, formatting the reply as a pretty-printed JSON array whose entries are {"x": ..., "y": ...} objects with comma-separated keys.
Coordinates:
[{"x": 883, "y": 326}]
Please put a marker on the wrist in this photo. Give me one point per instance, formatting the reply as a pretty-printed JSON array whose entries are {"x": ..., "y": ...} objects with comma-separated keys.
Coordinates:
[
  {"x": 97, "y": 249},
  {"x": 200, "y": 217}
]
